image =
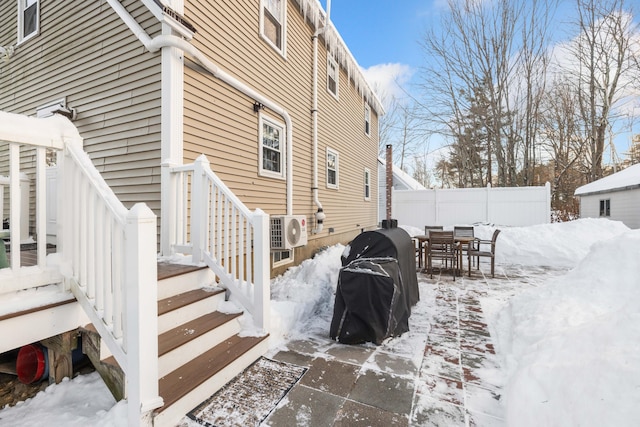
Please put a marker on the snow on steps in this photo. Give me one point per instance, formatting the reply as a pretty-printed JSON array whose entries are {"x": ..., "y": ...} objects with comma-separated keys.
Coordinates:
[{"x": 199, "y": 348}]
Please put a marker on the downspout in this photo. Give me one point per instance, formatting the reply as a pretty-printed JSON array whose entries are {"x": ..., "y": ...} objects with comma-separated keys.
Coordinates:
[
  {"x": 158, "y": 42},
  {"x": 320, "y": 215}
]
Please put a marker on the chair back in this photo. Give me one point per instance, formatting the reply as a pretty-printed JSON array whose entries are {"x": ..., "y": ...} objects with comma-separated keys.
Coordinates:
[
  {"x": 441, "y": 241},
  {"x": 493, "y": 240},
  {"x": 429, "y": 228},
  {"x": 463, "y": 231}
]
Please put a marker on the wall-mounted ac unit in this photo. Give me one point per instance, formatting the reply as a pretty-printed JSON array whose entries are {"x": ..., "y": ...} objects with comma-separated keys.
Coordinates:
[{"x": 288, "y": 231}]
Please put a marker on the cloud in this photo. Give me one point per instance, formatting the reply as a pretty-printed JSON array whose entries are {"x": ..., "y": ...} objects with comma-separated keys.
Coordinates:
[{"x": 389, "y": 80}]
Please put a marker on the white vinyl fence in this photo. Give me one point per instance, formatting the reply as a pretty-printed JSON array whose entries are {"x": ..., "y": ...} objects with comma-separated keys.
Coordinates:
[{"x": 505, "y": 206}]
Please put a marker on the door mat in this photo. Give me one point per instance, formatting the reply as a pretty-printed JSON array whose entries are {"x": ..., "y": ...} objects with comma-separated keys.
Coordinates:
[{"x": 250, "y": 397}]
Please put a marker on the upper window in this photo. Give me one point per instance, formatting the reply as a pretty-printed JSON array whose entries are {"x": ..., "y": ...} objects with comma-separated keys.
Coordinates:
[
  {"x": 605, "y": 207},
  {"x": 273, "y": 23},
  {"x": 367, "y": 119},
  {"x": 28, "y": 19},
  {"x": 332, "y": 168},
  {"x": 333, "y": 75},
  {"x": 367, "y": 184},
  {"x": 272, "y": 145}
]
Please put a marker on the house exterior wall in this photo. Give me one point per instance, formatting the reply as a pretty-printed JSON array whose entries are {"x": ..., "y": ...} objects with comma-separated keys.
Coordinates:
[
  {"x": 221, "y": 123},
  {"x": 624, "y": 206},
  {"x": 86, "y": 54}
]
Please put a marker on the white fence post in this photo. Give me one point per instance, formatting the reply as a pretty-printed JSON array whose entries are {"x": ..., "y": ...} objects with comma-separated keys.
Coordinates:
[
  {"x": 199, "y": 206},
  {"x": 141, "y": 295},
  {"x": 262, "y": 290},
  {"x": 488, "y": 202}
]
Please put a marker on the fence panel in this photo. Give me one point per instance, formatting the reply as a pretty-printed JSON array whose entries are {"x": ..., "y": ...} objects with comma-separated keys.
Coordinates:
[{"x": 506, "y": 206}]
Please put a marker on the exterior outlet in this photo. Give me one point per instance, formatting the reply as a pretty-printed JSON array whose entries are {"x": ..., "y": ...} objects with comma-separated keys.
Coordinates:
[{"x": 288, "y": 231}]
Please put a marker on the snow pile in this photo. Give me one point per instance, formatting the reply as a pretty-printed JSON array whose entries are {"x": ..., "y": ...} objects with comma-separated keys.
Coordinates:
[
  {"x": 553, "y": 245},
  {"x": 302, "y": 298},
  {"x": 77, "y": 403},
  {"x": 571, "y": 348}
]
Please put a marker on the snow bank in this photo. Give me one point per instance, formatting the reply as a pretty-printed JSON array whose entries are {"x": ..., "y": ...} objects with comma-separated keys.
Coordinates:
[
  {"x": 302, "y": 298},
  {"x": 561, "y": 244},
  {"x": 571, "y": 348}
]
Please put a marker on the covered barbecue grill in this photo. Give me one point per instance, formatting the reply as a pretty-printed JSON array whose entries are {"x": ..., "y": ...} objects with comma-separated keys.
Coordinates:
[{"x": 377, "y": 286}]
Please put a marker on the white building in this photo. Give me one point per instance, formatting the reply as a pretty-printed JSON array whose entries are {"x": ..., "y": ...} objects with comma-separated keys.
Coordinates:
[{"x": 615, "y": 197}]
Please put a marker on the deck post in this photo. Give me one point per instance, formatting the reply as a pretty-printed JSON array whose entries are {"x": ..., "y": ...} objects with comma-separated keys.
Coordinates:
[
  {"x": 141, "y": 295},
  {"x": 262, "y": 291},
  {"x": 199, "y": 217}
]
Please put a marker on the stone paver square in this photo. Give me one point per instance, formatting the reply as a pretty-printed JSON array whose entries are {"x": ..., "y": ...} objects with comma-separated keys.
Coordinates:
[
  {"x": 354, "y": 414},
  {"x": 331, "y": 376},
  {"x": 442, "y": 388},
  {"x": 484, "y": 401},
  {"x": 293, "y": 358},
  {"x": 451, "y": 355},
  {"x": 384, "y": 391},
  {"x": 304, "y": 406},
  {"x": 393, "y": 364},
  {"x": 357, "y": 354},
  {"x": 476, "y": 342},
  {"x": 443, "y": 340},
  {"x": 436, "y": 365},
  {"x": 430, "y": 412}
]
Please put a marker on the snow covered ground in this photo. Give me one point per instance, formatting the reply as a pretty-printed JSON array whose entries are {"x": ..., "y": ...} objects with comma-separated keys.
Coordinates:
[{"x": 568, "y": 342}]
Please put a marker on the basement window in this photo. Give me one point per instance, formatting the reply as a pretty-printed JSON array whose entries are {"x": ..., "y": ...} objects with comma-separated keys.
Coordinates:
[
  {"x": 28, "y": 19},
  {"x": 282, "y": 258}
]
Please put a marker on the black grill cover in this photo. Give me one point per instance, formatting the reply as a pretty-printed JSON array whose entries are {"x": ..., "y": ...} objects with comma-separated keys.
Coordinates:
[{"x": 377, "y": 286}]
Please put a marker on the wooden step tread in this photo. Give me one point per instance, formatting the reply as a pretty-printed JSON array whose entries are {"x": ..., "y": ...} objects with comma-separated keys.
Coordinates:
[
  {"x": 181, "y": 381},
  {"x": 182, "y": 334},
  {"x": 40, "y": 308},
  {"x": 167, "y": 270},
  {"x": 178, "y": 301}
]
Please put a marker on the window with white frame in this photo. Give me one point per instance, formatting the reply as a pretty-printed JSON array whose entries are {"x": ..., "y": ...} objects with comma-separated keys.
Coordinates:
[
  {"x": 367, "y": 120},
  {"x": 333, "y": 76},
  {"x": 282, "y": 257},
  {"x": 28, "y": 19},
  {"x": 272, "y": 148},
  {"x": 605, "y": 207},
  {"x": 367, "y": 184},
  {"x": 332, "y": 168},
  {"x": 273, "y": 23}
]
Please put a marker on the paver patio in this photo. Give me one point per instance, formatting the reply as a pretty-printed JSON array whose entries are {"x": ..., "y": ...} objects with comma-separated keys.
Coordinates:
[{"x": 443, "y": 372}]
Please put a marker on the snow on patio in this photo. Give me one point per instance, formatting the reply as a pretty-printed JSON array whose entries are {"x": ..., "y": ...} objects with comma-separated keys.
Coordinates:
[{"x": 563, "y": 315}]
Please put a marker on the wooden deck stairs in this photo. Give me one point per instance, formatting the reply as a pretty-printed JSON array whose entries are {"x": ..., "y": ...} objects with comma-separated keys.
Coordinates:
[{"x": 199, "y": 347}]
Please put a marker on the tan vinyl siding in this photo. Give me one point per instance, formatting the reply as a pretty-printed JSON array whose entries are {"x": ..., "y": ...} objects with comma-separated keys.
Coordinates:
[
  {"x": 220, "y": 121},
  {"x": 84, "y": 52}
]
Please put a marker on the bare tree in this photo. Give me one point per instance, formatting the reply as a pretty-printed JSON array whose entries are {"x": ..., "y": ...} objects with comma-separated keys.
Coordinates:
[
  {"x": 563, "y": 140},
  {"x": 482, "y": 50},
  {"x": 606, "y": 66}
]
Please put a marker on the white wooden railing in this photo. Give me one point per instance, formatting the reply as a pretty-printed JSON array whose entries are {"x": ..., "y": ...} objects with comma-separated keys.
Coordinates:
[
  {"x": 216, "y": 228},
  {"x": 107, "y": 253}
]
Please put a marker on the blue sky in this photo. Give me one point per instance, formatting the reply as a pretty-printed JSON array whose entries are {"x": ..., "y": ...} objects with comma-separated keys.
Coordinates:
[
  {"x": 384, "y": 36},
  {"x": 379, "y": 31}
]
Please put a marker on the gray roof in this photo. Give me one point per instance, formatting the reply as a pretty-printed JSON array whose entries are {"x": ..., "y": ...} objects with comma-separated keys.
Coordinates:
[{"x": 628, "y": 178}]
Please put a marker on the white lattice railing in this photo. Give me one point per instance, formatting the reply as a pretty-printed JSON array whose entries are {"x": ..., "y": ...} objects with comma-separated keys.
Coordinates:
[
  {"x": 107, "y": 254},
  {"x": 215, "y": 227}
]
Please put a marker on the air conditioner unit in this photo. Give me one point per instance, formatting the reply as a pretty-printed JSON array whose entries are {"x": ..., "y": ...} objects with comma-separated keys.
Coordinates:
[{"x": 288, "y": 231}]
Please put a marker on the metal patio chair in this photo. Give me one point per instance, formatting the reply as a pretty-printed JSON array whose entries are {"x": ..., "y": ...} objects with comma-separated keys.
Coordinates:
[
  {"x": 442, "y": 246},
  {"x": 486, "y": 248}
]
